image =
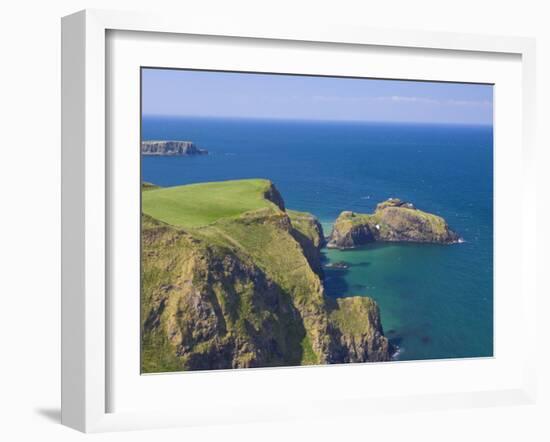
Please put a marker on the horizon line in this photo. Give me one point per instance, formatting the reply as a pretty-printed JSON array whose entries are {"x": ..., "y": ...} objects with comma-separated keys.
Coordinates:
[{"x": 323, "y": 120}]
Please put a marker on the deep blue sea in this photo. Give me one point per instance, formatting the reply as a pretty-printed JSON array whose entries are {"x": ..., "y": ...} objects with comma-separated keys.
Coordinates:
[{"x": 436, "y": 301}]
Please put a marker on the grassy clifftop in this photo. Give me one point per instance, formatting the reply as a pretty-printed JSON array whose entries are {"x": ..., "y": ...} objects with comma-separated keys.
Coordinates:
[
  {"x": 229, "y": 280},
  {"x": 196, "y": 205}
]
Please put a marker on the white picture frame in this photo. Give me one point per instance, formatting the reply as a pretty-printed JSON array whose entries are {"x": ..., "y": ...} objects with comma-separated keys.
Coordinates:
[{"x": 86, "y": 210}]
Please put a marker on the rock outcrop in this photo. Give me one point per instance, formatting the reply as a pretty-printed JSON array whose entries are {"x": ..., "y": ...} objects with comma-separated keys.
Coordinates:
[
  {"x": 359, "y": 330},
  {"x": 272, "y": 194},
  {"x": 210, "y": 308},
  {"x": 393, "y": 221},
  {"x": 307, "y": 230},
  {"x": 171, "y": 148},
  {"x": 246, "y": 292}
]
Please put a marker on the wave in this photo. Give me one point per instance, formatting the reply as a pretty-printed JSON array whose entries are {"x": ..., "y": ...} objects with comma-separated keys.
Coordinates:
[{"x": 397, "y": 353}]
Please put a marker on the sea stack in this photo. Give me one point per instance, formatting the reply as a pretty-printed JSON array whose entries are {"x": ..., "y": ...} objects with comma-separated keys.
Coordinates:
[
  {"x": 171, "y": 148},
  {"x": 394, "y": 220}
]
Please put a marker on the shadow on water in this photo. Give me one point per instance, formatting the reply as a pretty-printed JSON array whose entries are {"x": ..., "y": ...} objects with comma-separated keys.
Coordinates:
[
  {"x": 362, "y": 264},
  {"x": 392, "y": 245},
  {"x": 359, "y": 287},
  {"x": 335, "y": 282},
  {"x": 395, "y": 341},
  {"x": 425, "y": 339},
  {"x": 335, "y": 273},
  {"x": 371, "y": 246}
]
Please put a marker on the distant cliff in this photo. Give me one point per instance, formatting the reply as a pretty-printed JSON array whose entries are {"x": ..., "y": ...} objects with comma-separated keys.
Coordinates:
[
  {"x": 171, "y": 147},
  {"x": 393, "y": 221}
]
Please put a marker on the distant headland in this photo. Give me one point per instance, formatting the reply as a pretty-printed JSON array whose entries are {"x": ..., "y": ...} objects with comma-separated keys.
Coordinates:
[{"x": 171, "y": 148}]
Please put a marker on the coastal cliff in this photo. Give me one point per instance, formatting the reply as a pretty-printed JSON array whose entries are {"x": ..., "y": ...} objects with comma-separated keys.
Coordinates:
[
  {"x": 307, "y": 230},
  {"x": 171, "y": 147},
  {"x": 359, "y": 330},
  {"x": 226, "y": 290},
  {"x": 393, "y": 221}
]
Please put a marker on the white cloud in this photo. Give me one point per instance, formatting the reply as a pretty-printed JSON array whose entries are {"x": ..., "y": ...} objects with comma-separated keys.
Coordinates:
[
  {"x": 392, "y": 98},
  {"x": 408, "y": 99},
  {"x": 401, "y": 99},
  {"x": 469, "y": 103},
  {"x": 326, "y": 98}
]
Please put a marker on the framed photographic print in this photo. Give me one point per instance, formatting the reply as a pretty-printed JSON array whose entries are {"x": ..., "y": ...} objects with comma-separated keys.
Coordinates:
[
  {"x": 251, "y": 213},
  {"x": 237, "y": 271}
]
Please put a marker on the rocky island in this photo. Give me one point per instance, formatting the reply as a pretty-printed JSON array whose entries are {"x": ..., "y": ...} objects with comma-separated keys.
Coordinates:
[
  {"x": 232, "y": 279},
  {"x": 171, "y": 148},
  {"x": 393, "y": 221}
]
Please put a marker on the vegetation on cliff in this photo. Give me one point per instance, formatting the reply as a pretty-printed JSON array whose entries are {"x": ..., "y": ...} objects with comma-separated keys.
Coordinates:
[
  {"x": 231, "y": 279},
  {"x": 360, "y": 330},
  {"x": 393, "y": 221},
  {"x": 197, "y": 205},
  {"x": 307, "y": 230},
  {"x": 148, "y": 186}
]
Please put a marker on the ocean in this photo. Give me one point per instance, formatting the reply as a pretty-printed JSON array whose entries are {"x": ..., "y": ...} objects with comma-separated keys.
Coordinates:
[{"x": 436, "y": 301}]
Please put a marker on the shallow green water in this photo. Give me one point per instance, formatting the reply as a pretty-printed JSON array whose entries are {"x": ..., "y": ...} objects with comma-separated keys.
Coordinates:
[{"x": 426, "y": 310}]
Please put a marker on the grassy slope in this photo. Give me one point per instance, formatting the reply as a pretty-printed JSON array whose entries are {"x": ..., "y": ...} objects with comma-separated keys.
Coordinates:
[
  {"x": 172, "y": 256},
  {"x": 197, "y": 205},
  {"x": 236, "y": 216},
  {"x": 157, "y": 354},
  {"x": 262, "y": 235},
  {"x": 354, "y": 315}
]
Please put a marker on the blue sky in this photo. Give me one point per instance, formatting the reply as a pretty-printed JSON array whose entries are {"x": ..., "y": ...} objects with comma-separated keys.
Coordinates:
[{"x": 242, "y": 95}]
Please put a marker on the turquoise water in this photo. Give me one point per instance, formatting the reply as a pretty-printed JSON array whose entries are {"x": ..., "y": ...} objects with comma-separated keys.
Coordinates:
[{"x": 435, "y": 301}]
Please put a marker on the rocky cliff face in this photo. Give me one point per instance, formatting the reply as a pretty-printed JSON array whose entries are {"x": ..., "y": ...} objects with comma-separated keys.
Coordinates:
[
  {"x": 359, "y": 330},
  {"x": 246, "y": 292},
  {"x": 348, "y": 233},
  {"x": 393, "y": 221},
  {"x": 170, "y": 147},
  {"x": 272, "y": 194},
  {"x": 208, "y": 307},
  {"x": 308, "y": 232}
]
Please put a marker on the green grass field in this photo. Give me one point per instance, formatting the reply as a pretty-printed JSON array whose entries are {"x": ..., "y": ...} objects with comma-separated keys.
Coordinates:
[{"x": 197, "y": 205}]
